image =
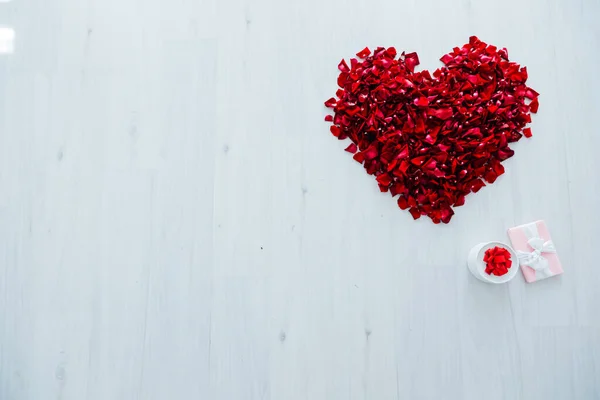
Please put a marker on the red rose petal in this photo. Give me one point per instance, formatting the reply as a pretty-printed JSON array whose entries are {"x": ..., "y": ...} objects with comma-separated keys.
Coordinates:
[
  {"x": 491, "y": 176},
  {"x": 364, "y": 53},
  {"x": 384, "y": 179},
  {"x": 415, "y": 213},
  {"x": 360, "y": 157},
  {"x": 447, "y": 214},
  {"x": 342, "y": 66},
  {"x": 371, "y": 152},
  {"x": 330, "y": 103},
  {"x": 351, "y": 148},
  {"x": 418, "y": 160},
  {"x": 443, "y": 113},
  {"x": 534, "y": 105},
  {"x": 446, "y": 59},
  {"x": 411, "y": 60},
  {"x": 403, "y": 203},
  {"x": 476, "y": 185},
  {"x": 460, "y": 201},
  {"x": 531, "y": 94},
  {"x": 527, "y": 132},
  {"x": 421, "y": 101},
  {"x": 396, "y": 188}
]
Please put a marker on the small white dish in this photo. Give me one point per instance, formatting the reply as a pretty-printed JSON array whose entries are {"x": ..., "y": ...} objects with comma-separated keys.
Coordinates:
[{"x": 476, "y": 264}]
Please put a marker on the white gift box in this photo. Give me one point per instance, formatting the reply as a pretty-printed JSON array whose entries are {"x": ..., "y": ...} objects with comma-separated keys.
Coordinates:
[{"x": 536, "y": 251}]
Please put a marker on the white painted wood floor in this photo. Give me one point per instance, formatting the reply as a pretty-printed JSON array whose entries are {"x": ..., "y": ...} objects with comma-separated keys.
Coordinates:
[{"x": 177, "y": 222}]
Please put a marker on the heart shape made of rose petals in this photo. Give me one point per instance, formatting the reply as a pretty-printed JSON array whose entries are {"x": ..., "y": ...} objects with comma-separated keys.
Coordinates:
[{"x": 432, "y": 139}]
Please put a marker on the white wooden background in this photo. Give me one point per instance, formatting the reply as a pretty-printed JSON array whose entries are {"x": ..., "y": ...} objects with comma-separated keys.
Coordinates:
[{"x": 177, "y": 222}]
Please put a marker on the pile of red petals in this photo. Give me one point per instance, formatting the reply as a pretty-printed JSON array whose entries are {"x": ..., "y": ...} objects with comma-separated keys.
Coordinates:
[
  {"x": 432, "y": 139},
  {"x": 497, "y": 261}
]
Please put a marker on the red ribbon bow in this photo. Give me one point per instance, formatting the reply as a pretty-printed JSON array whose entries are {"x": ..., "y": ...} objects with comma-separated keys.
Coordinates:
[{"x": 497, "y": 261}]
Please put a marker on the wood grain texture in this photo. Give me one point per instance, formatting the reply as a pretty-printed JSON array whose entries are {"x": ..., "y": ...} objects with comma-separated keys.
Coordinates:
[{"x": 176, "y": 222}]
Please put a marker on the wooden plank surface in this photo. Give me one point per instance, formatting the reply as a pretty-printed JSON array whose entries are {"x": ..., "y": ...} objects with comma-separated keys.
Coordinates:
[{"x": 176, "y": 221}]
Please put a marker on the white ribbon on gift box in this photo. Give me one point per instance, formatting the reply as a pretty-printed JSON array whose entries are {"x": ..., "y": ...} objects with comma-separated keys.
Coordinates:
[{"x": 535, "y": 259}]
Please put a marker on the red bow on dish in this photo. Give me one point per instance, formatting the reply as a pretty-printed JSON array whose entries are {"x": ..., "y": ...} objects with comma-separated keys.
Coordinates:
[{"x": 497, "y": 261}]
